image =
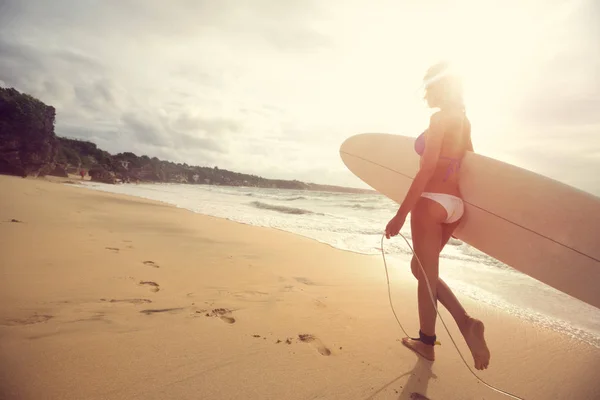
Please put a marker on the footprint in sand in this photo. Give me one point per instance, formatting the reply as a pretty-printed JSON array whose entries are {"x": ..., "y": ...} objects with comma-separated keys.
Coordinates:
[
  {"x": 132, "y": 301},
  {"x": 161, "y": 310},
  {"x": 288, "y": 288},
  {"x": 33, "y": 319},
  {"x": 319, "y": 303},
  {"x": 304, "y": 280},
  {"x": 96, "y": 317},
  {"x": 223, "y": 313},
  {"x": 113, "y": 249},
  {"x": 155, "y": 286},
  {"x": 321, "y": 348},
  {"x": 151, "y": 264}
]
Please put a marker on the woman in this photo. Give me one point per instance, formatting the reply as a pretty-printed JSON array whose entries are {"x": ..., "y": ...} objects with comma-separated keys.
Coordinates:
[{"x": 436, "y": 208}]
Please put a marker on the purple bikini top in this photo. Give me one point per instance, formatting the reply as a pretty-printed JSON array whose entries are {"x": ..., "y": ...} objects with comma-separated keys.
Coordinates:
[
  {"x": 454, "y": 165},
  {"x": 420, "y": 144}
]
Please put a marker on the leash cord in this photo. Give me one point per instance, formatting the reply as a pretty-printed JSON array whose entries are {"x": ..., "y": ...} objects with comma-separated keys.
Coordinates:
[{"x": 439, "y": 315}]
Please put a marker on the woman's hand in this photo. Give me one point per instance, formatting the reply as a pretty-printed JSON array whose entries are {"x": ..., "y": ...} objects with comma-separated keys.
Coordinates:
[{"x": 393, "y": 227}]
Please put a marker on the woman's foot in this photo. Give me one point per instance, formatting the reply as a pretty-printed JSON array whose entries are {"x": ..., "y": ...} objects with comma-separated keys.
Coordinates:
[
  {"x": 473, "y": 333},
  {"x": 425, "y": 350}
]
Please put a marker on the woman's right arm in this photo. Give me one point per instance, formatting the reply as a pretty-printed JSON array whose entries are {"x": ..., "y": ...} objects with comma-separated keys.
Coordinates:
[
  {"x": 470, "y": 144},
  {"x": 469, "y": 148}
]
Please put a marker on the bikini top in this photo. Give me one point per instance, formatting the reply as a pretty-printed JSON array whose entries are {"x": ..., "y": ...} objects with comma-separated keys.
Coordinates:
[{"x": 453, "y": 166}]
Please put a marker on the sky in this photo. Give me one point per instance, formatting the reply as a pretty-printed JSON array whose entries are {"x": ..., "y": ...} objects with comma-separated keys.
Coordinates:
[{"x": 273, "y": 87}]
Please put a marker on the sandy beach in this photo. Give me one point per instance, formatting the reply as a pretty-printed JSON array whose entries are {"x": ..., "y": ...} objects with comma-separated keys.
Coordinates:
[{"x": 106, "y": 296}]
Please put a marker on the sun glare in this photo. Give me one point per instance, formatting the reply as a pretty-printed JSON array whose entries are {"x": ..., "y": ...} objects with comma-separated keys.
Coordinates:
[
  {"x": 494, "y": 51},
  {"x": 494, "y": 48}
]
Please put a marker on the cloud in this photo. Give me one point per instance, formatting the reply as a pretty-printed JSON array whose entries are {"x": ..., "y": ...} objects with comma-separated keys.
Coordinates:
[
  {"x": 155, "y": 130},
  {"x": 202, "y": 143},
  {"x": 143, "y": 130},
  {"x": 95, "y": 97},
  {"x": 273, "y": 87},
  {"x": 269, "y": 22},
  {"x": 211, "y": 126},
  {"x": 566, "y": 91},
  {"x": 60, "y": 77}
]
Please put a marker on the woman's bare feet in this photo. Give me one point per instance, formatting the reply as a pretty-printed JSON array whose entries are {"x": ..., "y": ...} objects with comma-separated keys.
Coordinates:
[
  {"x": 425, "y": 350},
  {"x": 473, "y": 332}
]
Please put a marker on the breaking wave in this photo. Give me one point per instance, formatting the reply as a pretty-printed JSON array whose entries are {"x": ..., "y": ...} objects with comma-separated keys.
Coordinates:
[{"x": 281, "y": 209}]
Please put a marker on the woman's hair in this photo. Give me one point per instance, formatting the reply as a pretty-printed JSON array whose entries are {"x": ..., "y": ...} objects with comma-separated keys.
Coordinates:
[{"x": 443, "y": 86}]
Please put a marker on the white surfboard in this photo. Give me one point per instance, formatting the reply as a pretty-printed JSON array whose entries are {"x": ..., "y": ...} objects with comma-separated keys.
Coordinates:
[{"x": 541, "y": 227}]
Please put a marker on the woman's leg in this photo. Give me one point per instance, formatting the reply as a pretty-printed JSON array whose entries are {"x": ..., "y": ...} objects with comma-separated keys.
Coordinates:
[
  {"x": 427, "y": 248},
  {"x": 471, "y": 328},
  {"x": 427, "y": 236},
  {"x": 445, "y": 295}
]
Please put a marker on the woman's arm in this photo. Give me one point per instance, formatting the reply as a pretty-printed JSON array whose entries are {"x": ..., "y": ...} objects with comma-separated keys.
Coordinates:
[
  {"x": 433, "y": 145},
  {"x": 470, "y": 144}
]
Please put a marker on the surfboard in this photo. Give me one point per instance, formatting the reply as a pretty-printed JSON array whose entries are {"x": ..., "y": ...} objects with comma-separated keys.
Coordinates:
[{"x": 534, "y": 224}]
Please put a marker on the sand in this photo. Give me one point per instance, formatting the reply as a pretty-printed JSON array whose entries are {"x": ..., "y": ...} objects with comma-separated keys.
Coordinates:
[{"x": 112, "y": 297}]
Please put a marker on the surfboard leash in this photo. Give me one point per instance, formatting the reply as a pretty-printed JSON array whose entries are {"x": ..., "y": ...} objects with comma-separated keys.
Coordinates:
[{"x": 514, "y": 396}]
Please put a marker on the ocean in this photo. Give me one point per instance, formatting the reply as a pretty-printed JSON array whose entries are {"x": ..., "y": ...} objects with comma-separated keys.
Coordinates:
[{"x": 355, "y": 222}]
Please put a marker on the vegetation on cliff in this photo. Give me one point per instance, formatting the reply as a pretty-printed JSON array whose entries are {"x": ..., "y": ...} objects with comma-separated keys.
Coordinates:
[{"x": 29, "y": 146}]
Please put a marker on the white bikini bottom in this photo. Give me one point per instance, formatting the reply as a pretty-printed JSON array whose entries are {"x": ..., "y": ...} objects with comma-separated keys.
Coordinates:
[{"x": 454, "y": 205}]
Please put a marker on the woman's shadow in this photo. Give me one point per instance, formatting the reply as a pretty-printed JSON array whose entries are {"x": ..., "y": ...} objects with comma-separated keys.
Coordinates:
[{"x": 416, "y": 386}]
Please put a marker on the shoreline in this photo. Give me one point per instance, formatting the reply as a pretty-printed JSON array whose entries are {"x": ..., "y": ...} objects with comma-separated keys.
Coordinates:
[
  {"x": 500, "y": 302},
  {"x": 81, "y": 307},
  {"x": 343, "y": 189}
]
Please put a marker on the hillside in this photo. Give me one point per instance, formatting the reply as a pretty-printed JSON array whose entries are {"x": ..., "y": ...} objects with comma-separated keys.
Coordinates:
[
  {"x": 128, "y": 167},
  {"x": 29, "y": 146}
]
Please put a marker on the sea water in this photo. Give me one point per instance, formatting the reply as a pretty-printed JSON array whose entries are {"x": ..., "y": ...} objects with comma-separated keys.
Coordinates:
[{"x": 355, "y": 222}]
